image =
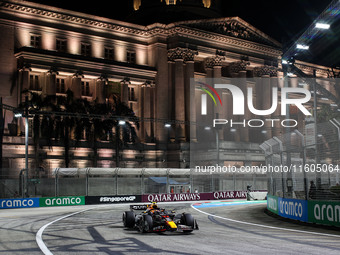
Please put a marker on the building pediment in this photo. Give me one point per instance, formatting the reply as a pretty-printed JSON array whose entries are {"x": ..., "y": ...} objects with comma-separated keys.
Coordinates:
[{"x": 234, "y": 27}]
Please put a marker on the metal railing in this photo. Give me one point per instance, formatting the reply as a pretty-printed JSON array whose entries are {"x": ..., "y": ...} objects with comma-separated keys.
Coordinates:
[
  {"x": 305, "y": 166},
  {"x": 127, "y": 181}
]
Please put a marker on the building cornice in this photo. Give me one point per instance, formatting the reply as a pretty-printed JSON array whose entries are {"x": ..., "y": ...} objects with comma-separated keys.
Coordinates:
[
  {"x": 52, "y": 14},
  {"x": 309, "y": 68},
  {"x": 46, "y": 58}
]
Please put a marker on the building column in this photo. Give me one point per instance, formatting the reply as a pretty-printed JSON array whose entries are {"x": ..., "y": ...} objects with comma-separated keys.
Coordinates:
[
  {"x": 247, "y": 114},
  {"x": 239, "y": 70},
  {"x": 177, "y": 55},
  {"x": 24, "y": 79},
  {"x": 99, "y": 90},
  {"x": 76, "y": 85},
  {"x": 161, "y": 55},
  {"x": 124, "y": 91},
  {"x": 190, "y": 106},
  {"x": 264, "y": 94},
  {"x": 180, "y": 99},
  {"x": 171, "y": 113},
  {"x": 49, "y": 88},
  {"x": 146, "y": 94},
  {"x": 214, "y": 71}
]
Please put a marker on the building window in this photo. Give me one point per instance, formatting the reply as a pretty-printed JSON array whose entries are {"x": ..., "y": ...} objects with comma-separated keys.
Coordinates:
[
  {"x": 61, "y": 45},
  {"x": 60, "y": 85},
  {"x": 108, "y": 53},
  {"x": 35, "y": 41},
  {"x": 86, "y": 49},
  {"x": 85, "y": 88},
  {"x": 131, "y": 57},
  {"x": 34, "y": 82},
  {"x": 131, "y": 92}
]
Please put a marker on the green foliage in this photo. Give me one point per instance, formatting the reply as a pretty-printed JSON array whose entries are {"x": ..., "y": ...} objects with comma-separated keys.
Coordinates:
[
  {"x": 326, "y": 113},
  {"x": 67, "y": 119}
]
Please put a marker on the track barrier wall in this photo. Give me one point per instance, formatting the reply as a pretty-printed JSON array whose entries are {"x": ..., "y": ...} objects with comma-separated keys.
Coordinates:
[
  {"x": 91, "y": 200},
  {"x": 311, "y": 211}
]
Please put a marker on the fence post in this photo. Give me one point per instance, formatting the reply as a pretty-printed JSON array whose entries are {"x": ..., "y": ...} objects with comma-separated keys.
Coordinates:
[
  {"x": 87, "y": 182},
  {"x": 191, "y": 181},
  {"x": 303, "y": 144},
  {"x": 56, "y": 182},
  {"x": 142, "y": 181},
  {"x": 116, "y": 177},
  {"x": 281, "y": 160},
  {"x": 336, "y": 124},
  {"x": 272, "y": 162},
  {"x": 167, "y": 180}
]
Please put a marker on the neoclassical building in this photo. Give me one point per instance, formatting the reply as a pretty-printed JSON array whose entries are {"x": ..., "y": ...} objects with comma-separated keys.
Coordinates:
[{"x": 50, "y": 50}]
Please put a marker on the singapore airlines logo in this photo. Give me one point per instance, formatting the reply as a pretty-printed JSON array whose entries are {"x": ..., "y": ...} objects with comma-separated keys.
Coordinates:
[{"x": 204, "y": 97}]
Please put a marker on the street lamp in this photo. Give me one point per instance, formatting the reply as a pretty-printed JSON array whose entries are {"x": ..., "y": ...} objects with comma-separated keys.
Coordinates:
[
  {"x": 120, "y": 123},
  {"x": 20, "y": 115},
  {"x": 302, "y": 47},
  {"x": 322, "y": 25}
]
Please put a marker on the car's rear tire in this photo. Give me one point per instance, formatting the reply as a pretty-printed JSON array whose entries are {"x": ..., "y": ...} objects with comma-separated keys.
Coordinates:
[
  {"x": 146, "y": 224},
  {"x": 129, "y": 219},
  {"x": 188, "y": 220}
]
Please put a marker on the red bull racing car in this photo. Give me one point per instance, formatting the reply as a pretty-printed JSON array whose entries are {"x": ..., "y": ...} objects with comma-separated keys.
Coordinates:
[{"x": 154, "y": 219}]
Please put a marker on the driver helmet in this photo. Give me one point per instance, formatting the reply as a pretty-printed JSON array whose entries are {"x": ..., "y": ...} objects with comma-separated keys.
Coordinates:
[{"x": 154, "y": 205}]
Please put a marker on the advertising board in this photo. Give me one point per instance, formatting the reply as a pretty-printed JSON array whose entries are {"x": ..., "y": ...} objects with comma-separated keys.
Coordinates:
[
  {"x": 61, "y": 201},
  {"x": 19, "y": 203},
  {"x": 293, "y": 209}
]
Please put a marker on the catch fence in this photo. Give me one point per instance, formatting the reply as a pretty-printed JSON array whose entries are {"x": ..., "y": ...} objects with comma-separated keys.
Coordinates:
[{"x": 305, "y": 165}]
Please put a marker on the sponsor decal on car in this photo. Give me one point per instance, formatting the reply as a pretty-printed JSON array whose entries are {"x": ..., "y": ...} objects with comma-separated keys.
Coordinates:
[{"x": 138, "y": 207}]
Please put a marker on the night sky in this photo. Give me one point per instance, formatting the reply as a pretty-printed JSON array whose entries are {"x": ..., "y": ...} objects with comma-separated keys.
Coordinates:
[{"x": 282, "y": 20}]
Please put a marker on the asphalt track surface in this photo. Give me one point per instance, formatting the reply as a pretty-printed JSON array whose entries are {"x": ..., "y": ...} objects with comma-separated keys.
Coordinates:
[{"x": 233, "y": 229}]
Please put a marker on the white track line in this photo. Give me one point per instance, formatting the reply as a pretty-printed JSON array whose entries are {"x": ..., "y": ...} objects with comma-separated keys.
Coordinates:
[
  {"x": 38, "y": 236},
  {"x": 265, "y": 226}
]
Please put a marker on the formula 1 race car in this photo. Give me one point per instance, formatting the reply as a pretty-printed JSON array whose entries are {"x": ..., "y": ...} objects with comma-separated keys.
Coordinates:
[{"x": 154, "y": 219}]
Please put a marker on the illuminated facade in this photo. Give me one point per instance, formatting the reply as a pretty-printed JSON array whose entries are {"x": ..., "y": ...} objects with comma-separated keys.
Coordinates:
[{"x": 50, "y": 50}]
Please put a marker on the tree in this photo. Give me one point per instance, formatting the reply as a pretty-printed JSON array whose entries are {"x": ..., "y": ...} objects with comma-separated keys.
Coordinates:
[
  {"x": 66, "y": 119},
  {"x": 102, "y": 127},
  {"x": 326, "y": 113}
]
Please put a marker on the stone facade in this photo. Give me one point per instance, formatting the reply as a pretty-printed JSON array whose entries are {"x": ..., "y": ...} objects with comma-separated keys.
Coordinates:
[{"x": 50, "y": 50}]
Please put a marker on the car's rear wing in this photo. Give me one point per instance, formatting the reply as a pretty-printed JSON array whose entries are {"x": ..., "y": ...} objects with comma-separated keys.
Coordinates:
[{"x": 139, "y": 207}]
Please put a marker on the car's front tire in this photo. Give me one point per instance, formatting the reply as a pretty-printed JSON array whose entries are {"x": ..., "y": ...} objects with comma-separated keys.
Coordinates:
[
  {"x": 146, "y": 224},
  {"x": 129, "y": 219},
  {"x": 188, "y": 220}
]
